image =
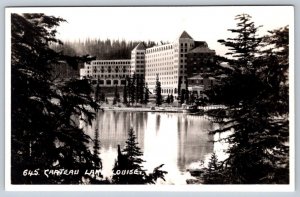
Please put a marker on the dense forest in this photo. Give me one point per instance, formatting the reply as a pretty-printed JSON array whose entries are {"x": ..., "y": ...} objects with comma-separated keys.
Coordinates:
[
  {"x": 94, "y": 48},
  {"x": 101, "y": 49}
]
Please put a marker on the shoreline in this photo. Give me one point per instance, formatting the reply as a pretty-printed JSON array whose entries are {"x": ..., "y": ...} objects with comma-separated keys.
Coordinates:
[
  {"x": 169, "y": 109},
  {"x": 143, "y": 109}
]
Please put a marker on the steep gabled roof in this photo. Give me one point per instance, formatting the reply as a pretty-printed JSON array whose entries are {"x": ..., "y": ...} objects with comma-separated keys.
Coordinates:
[
  {"x": 185, "y": 35},
  {"x": 140, "y": 46},
  {"x": 201, "y": 50}
]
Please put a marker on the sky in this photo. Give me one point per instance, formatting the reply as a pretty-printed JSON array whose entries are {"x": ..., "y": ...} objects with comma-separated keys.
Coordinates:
[{"x": 163, "y": 23}]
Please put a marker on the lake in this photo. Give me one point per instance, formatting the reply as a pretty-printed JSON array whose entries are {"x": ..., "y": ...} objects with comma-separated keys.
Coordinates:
[{"x": 179, "y": 141}]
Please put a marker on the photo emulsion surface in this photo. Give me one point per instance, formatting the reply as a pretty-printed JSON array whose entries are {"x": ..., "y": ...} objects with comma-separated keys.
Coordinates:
[{"x": 183, "y": 96}]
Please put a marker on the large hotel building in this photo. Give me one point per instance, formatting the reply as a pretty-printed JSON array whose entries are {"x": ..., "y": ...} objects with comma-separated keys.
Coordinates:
[{"x": 171, "y": 63}]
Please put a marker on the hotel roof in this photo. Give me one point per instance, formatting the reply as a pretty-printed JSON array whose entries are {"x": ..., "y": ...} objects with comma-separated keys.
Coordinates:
[
  {"x": 201, "y": 50},
  {"x": 140, "y": 46},
  {"x": 185, "y": 35}
]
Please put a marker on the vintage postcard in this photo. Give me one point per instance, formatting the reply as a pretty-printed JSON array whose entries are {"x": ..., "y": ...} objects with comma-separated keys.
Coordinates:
[{"x": 189, "y": 98}]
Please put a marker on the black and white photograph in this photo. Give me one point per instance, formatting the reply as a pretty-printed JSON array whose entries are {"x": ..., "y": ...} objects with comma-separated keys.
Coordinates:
[{"x": 187, "y": 98}]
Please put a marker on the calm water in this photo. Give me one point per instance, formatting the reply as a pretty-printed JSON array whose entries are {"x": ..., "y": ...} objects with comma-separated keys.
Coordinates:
[{"x": 179, "y": 141}]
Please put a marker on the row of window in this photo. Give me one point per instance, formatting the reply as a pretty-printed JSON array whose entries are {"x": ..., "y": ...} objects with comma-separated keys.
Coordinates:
[
  {"x": 183, "y": 55},
  {"x": 109, "y": 82},
  {"x": 150, "y": 68},
  {"x": 169, "y": 91},
  {"x": 159, "y": 59},
  {"x": 158, "y": 49},
  {"x": 108, "y": 70},
  {"x": 162, "y": 78},
  {"x": 138, "y": 66},
  {"x": 162, "y": 73},
  {"x": 201, "y": 68},
  {"x": 186, "y": 44},
  {"x": 139, "y": 70},
  {"x": 140, "y": 62},
  {"x": 107, "y": 67},
  {"x": 109, "y": 76},
  {"x": 170, "y": 54},
  {"x": 164, "y": 64},
  {"x": 109, "y": 63},
  {"x": 183, "y": 50}
]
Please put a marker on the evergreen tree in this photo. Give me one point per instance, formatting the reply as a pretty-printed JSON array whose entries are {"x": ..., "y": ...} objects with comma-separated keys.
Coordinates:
[
  {"x": 182, "y": 96},
  {"x": 141, "y": 90},
  {"x": 168, "y": 99},
  {"x": 128, "y": 168},
  {"x": 244, "y": 46},
  {"x": 102, "y": 97},
  {"x": 146, "y": 97},
  {"x": 132, "y": 89},
  {"x": 125, "y": 90},
  {"x": 214, "y": 172},
  {"x": 158, "y": 92},
  {"x": 96, "y": 147},
  {"x": 114, "y": 101},
  {"x": 44, "y": 111},
  {"x": 187, "y": 96},
  {"x": 132, "y": 151},
  {"x": 117, "y": 95},
  {"x": 97, "y": 92},
  {"x": 171, "y": 98},
  {"x": 179, "y": 86},
  {"x": 257, "y": 107},
  {"x": 137, "y": 90},
  {"x": 192, "y": 98},
  {"x": 101, "y": 49}
]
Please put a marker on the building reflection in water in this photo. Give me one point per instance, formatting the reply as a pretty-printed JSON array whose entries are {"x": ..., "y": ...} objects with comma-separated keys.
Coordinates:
[{"x": 174, "y": 139}]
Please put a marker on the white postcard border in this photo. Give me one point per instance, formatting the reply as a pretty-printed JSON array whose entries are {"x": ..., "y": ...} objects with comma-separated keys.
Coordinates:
[{"x": 181, "y": 188}]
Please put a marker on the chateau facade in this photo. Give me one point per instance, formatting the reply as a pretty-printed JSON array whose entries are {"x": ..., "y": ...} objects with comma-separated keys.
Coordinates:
[
  {"x": 172, "y": 64},
  {"x": 107, "y": 72}
]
